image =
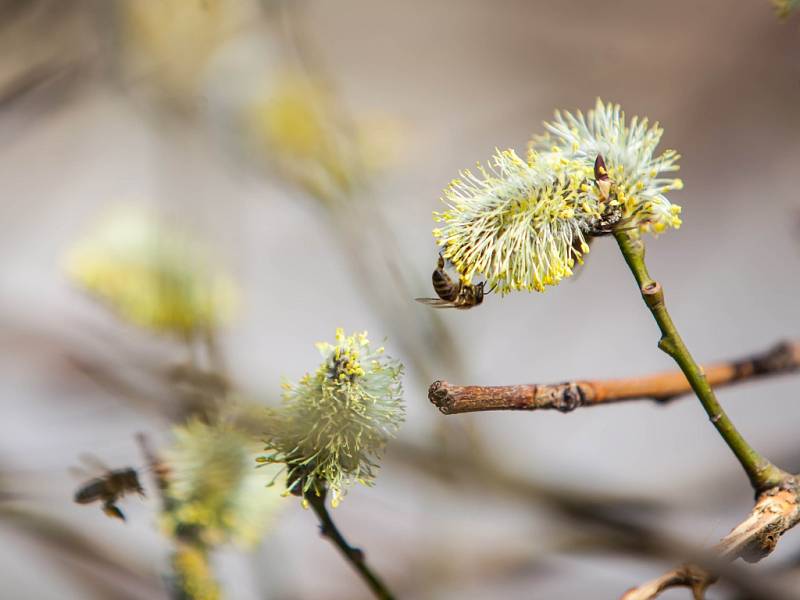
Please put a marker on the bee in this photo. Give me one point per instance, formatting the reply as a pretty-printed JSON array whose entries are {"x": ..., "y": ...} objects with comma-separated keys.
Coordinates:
[
  {"x": 612, "y": 215},
  {"x": 453, "y": 294},
  {"x": 109, "y": 488}
]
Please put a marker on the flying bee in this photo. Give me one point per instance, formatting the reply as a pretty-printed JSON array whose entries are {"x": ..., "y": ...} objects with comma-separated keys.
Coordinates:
[
  {"x": 109, "y": 488},
  {"x": 453, "y": 294},
  {"x": 607, "y": 222}
]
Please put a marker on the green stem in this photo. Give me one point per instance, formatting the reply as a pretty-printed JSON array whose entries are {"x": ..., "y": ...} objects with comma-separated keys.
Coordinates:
[
  {"x": 353, "y": 555},
  {"x": 762, "y": 473}
]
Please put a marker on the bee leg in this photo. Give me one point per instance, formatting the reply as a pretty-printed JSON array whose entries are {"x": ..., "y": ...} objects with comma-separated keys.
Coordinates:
[{"x": 111, "y": 510}]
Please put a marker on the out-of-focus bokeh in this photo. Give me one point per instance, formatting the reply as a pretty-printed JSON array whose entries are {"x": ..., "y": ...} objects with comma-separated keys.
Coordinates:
[{"x": 196, "y": 191}]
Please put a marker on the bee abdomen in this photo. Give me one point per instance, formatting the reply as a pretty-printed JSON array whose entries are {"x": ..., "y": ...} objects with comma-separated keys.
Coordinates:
[
  {"x": 444, "y": 286},
  {"x": 92, "y": 491}
]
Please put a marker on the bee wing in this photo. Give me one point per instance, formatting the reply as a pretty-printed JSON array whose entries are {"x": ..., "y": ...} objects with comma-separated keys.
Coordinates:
[
  {"x": 79, "y": 473},
  {"x": 436, "y": 302},
  {"x": 92, "y": 462}
]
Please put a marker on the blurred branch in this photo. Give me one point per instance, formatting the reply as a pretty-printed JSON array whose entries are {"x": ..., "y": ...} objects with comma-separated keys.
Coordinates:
[
  {"x": 689, "y": 576},
  {"x": 157, "y": 468},
  {"x": 88, "y": 563},
  {"x": 470, "y": 470},
  {"x": 37, "y": 76},
  {"x": 605, "y": 521},
  {"x": 566, "y": 397},
  {"x": 775, "y": 512}
]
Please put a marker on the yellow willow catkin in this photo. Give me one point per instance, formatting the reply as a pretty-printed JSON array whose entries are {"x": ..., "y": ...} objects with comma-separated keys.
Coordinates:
[{"x": 334, "y": 423}]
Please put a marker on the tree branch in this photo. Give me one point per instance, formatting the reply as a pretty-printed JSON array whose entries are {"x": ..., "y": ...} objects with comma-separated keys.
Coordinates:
[
  {"x": 689, "y": 576},
  {"x": 775, "y": 512},
  {"x": 567, "y": 396},
  {"x": 761, "y": 472}
]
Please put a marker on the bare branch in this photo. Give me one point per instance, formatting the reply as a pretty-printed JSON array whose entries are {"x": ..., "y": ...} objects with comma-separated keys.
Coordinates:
[
  {"x": 566, "y": 397},
  {"x": 689, "y": 576},
  {"x": 775, "y": 512},
  {"x": 756, "y": 537}
]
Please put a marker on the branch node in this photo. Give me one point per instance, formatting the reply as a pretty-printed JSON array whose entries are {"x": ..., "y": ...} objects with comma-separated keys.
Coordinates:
[
  {"x": 652, "y": 293},
  {"x": 439, "y": 395},
  {"x": 782, "y": 357},
  {"x": 664, "y": 400},
  {"x": 358, "y": 554},
  {"x": 690, "y": 576},
  {"x": 570, "y": 398},
  {"x": 666, "y": 344}
]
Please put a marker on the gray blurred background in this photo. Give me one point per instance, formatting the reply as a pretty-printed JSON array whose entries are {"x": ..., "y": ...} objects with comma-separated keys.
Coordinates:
[{"x": 85, "y": 127}]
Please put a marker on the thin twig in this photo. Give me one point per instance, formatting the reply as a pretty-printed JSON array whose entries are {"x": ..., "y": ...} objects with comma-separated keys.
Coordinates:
[
  {"x": 689, "y": 576},
  {"x": 157, "y": 467},
  {"x": 567, "y": 396},
  {"x": 762, "y": 473},
  {"x": 354, "y": 556}
]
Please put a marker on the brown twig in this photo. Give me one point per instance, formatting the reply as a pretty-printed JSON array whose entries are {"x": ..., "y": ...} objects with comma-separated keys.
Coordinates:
[
  {"x": 159, "y": 470},
  {"x": 689, "y": 576},
  {"x": 355, "y": 556},
  {"x": 566, "y": 397},
  {"x": 775, "y": 512}
]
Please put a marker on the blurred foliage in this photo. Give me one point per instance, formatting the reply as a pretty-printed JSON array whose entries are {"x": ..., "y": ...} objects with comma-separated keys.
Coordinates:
[
  {"x": 152, "y": 275},
  {"x": 299, "y": 125},
  {"x": 194, "y": 578},
  {"x": 170, "y": 43},
  {"x": 784, "y": 8}
]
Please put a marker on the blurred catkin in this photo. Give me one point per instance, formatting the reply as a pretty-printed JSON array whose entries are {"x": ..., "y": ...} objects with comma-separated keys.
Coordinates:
[
  {"x": 151, "y": 275},
  {"x": 215, "y": 492}
]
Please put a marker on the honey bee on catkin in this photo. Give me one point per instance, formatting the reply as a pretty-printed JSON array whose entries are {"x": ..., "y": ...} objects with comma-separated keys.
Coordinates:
[{"x": 453, "y": 293}]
